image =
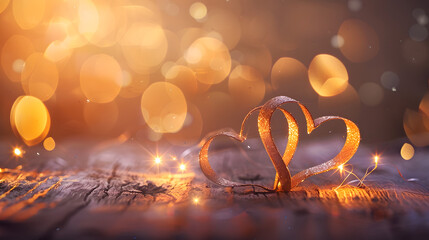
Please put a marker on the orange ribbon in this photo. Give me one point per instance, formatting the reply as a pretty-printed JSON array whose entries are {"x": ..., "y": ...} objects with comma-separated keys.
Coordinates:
[{"x": 283, "y": 180}]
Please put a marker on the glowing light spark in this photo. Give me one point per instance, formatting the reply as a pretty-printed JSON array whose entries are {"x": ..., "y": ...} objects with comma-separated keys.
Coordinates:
[
  {"x": 341, "y": 167},
  {"x": 17, "y": 152},
  {"x": 196, "y": 201},
  {"x": 157, "y": 160},
  {"x": 182, "y": 167},
  {"x": 367, "y": 173},
  {"x": 174, "y": 158},
  {"x": 376, "y": 158}
]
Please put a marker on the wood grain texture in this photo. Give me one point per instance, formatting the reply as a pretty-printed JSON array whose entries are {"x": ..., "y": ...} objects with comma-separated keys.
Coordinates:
[{"x": 87, "y": 191}]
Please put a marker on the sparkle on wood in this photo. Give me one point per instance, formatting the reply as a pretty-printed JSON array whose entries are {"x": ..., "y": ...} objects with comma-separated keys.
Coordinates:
[
  {"x": 182, "y": 167},
  {"x": 17, "y": 152}
]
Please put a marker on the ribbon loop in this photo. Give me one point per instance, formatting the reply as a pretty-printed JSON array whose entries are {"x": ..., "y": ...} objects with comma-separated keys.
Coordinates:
[{"x": 283, "y": 180}]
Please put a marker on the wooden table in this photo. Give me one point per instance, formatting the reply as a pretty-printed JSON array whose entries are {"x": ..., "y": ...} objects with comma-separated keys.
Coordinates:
[{"x": 87, "y": 190}]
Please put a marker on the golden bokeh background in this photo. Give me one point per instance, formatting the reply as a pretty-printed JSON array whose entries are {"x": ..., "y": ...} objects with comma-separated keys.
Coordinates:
[{"x": 172, "y": 71}]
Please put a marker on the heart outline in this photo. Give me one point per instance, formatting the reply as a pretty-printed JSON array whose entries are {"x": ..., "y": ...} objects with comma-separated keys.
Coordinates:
[{"x": 283, "y": 180}]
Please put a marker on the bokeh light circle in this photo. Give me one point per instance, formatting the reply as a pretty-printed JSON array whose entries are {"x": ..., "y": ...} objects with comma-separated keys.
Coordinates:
[
  {"x": 360, "y": 40},
  {"x": 49, "y": 144},
  {"x": 415, "y": 126},
  {"x": 15, "y": 50},
  {"x": 144, "y": 46},
  {"x": 184, "y": 78},
  {"x": 354, "y": 5},
  {"x": 57, "y": 51},
  {"x": 328, "y": 76},
  {"x": 407, "y": 151},
  {"x": 28, "y": 14},
  {"x": 164, "y": 107},
  {"x": 39, "y": 77},
  {"x": 337, "y": 41},
  {"x": 88, "y": 18},
  {"x": 287, "y": 70},
  {"x": 289, "y": 77},
  {"x": 418, "y": 32},
  {"x": 371, "y": 94},
  {"x": 30, "y": 119},
  {"x": 389, "y": 80},
  {"x": 424, "y": 105},
  {"x": 101, "y": 78},
  {"x": 246, "y": 86},
  {"x": 3, "y": 5},
  {"x": 105, "y": 34},
  {"x": 227, "y": 24},
  {"x": 209, "y": 58},
  {"x": 198, "y": 10}
]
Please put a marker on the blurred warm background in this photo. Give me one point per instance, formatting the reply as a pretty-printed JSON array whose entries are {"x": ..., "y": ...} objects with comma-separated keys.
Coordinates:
[{"x": 171, "y": 71}]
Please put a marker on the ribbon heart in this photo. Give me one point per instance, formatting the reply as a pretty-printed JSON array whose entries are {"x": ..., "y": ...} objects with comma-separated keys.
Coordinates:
[
  {"x": 264, "y": 126},
  {"x": 283, "y": 180}
]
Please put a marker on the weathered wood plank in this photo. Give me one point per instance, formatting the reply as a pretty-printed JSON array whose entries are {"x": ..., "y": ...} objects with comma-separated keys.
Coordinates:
[{"x": 98, "y": 194}]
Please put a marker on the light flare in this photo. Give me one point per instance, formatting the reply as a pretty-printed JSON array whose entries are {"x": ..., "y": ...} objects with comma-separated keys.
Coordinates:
[
  {"x": 182, "y": 167},
  {"x": 341, "y": 168},
  {"x": 18, "y": 152},
  {"x": 158, "y": 160},
  {"x": 376, "y": 158}
]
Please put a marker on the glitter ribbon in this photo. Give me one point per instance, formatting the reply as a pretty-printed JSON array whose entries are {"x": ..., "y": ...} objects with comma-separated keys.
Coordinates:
[{"x": 283, "y": 180}]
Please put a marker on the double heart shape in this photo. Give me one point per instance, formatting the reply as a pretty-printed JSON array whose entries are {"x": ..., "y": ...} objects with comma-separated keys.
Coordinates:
[{"x": 283, "y": 181}]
